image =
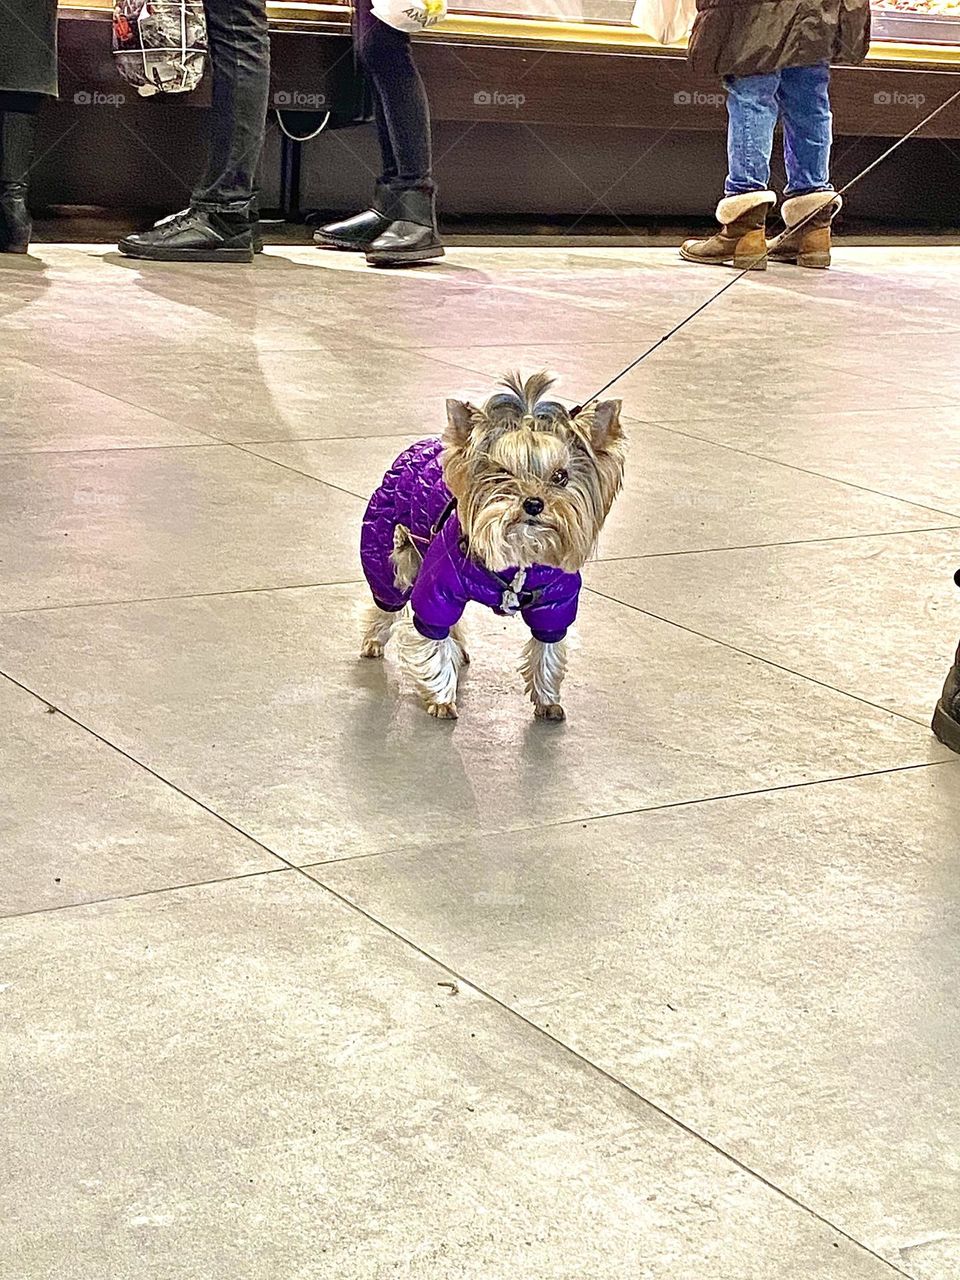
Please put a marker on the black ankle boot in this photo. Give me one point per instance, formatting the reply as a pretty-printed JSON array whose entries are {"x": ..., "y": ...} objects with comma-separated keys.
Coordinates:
[
  {"x": 412, "y": 236},
  {"x": 363, "y": 228},
  {"x": 946, "y": 718},
  {"x": 196, "y": 235},
  {"x": 18, "y": 131}
]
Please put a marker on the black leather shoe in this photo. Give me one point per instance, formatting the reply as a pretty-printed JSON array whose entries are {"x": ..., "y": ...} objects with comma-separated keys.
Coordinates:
[
  {"x": 358, "y": 232},
  {"x": 195, "y": 235},
  {"x": 255, "y": 215},
  {"x": 946, "y": 718},
  {"x": 412, "y": 237}
]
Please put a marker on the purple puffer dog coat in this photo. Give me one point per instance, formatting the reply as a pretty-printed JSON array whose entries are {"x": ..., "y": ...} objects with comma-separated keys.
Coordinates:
[{"x": 414, "y": 494}]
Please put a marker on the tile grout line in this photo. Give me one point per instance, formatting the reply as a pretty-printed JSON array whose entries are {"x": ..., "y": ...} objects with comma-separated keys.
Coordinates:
[
  {"x": 129, "y": 404},
  {"x": 286, "y": 864},
  {"x": 763, "y": 546},
  {"x": 607, "y": 1074},
  {"x": 349, "y": 582},
  {"x": 807, "y": 471},
  {"x": 141, "y": 764},
  {"x": 756, "y": 657},
  {"x": 187, "y": 595},
  {"x": 725, "y": 797},
  {"x": 883, "y": 381},
  {"x": 6, "y": 916},
  {"x": 113, "y": 448},
  {"x": 583, "y": 819},
  {"x": 285, "y": 466},
  {"x": 664, "y": 807}
]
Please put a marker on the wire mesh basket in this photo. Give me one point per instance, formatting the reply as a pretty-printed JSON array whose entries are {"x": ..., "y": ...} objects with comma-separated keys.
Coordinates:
[{"x": 160, "y": 46}]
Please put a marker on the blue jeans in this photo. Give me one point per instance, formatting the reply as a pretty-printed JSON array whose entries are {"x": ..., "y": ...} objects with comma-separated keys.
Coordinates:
[{"x": 801, "y": 96}]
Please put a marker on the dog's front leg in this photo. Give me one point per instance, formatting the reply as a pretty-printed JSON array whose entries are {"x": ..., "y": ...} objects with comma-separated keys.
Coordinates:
[
  {"x": 543, "y": 669},
  {"x": 434, "y": 666}
]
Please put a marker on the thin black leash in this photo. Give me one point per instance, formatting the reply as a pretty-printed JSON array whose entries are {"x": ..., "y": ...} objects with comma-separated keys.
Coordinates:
[{"x": 762, "y": 256}]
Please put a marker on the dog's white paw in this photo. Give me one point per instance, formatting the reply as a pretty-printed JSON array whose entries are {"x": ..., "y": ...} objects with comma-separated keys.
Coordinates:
[
  {"x": 442, "y": 710},
  {"x": 371, "y": 649},
  {"x": 549, "y": 711}
]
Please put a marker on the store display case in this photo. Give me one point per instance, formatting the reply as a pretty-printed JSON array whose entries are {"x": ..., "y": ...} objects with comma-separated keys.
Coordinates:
[
  {"x": 932, "y": 22},
  {"x": 906, "y": 32},
  {"x": 910, "y": 30},
  {"x": 569, "y": 88}
]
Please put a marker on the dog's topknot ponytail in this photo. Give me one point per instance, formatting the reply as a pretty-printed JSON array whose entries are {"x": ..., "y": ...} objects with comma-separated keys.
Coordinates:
[{"x": 523, "y": 399}]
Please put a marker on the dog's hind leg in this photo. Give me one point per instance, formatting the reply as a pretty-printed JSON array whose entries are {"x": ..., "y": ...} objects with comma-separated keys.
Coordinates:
[
  {"x": 405, "y": 558},
  {"x": 543, "y": 668},
  {"x": 379, "y": 626},
  {"x": 434, "y": 666}
]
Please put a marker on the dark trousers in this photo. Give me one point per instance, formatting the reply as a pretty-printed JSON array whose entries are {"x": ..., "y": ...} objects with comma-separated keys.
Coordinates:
[
  {"x": 27, "y": 103},
  {"x": 239, "y": 45},
  {"x": 402, "y": 112},
  {"x": 18, "y": 129}
]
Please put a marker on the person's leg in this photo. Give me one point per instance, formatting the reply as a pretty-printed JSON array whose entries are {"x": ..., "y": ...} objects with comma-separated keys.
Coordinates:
[
  {"x": 804, "y": 98},
  {"x": 364, "y": 32},
  {"x": 239, "y": 44},
  {"x": 221, "y": 223},
  {"x": 403, "y": 116},
  {"x": 751, "y": 120},
  {"x": 404, "y": 123},
  {"x": 359, "y": 231},
  {"x": 811, "y": 204},
  {"x": 18, "y": 131},
  {"x": 404, "y": 195},
  {"x": 389, "y": 170},
  {"x": 742, "y": 213}
]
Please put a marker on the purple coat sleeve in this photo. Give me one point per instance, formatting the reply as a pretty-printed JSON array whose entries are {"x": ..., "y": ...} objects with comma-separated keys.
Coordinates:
[
  {"x": 556, "y": 610},
  {"x": 439, "y": 593}
]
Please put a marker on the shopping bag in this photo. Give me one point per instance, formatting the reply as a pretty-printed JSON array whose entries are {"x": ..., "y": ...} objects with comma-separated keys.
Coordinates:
[
  {"x": 160, "y": 45},
  {"x": 667, "y": 21},
  {"x": 410, "y": 15}
]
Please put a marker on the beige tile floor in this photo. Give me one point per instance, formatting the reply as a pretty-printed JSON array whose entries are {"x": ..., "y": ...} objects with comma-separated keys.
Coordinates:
[{"x": 296, "y": 984}]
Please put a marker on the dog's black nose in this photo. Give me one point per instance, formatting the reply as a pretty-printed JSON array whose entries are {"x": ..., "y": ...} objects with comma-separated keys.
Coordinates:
[{"x": 533, "y": 506}]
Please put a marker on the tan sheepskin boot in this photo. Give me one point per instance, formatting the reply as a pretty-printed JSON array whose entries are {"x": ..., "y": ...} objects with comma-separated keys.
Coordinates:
[
  {"x": 741, "y": 241},
  {"x": 807, "y": 245}
]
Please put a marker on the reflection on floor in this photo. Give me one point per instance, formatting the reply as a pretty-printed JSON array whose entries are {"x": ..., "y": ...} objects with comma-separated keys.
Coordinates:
[{"x": 297, "y": 982}]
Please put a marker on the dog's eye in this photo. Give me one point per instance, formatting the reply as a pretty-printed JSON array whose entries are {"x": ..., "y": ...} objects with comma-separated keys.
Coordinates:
[{"x": 560, "y": 478}]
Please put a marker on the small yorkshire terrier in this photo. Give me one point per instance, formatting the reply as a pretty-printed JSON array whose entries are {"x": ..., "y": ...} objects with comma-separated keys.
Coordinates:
[{"x": 505, "y": 510}]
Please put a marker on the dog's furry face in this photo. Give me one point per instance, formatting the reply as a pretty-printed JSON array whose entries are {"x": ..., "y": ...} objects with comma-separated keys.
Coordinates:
[{"x": 533, "y": 485}]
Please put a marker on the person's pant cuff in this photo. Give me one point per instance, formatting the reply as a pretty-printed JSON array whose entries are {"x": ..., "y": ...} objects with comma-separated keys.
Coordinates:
[
  {"x": 247, "y": 207},
  {"x": 791, "y": 193}
]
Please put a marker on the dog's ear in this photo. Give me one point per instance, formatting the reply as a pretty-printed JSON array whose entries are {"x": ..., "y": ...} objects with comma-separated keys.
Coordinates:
[
  {"x": 459, "y": 423},
  {"x": 605, "y": 427}
]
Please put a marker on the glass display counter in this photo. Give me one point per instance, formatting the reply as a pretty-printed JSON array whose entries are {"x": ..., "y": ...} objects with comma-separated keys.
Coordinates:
[
  {"x": 904, "y": 31},
  {"x": 917, "y": 21}
]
